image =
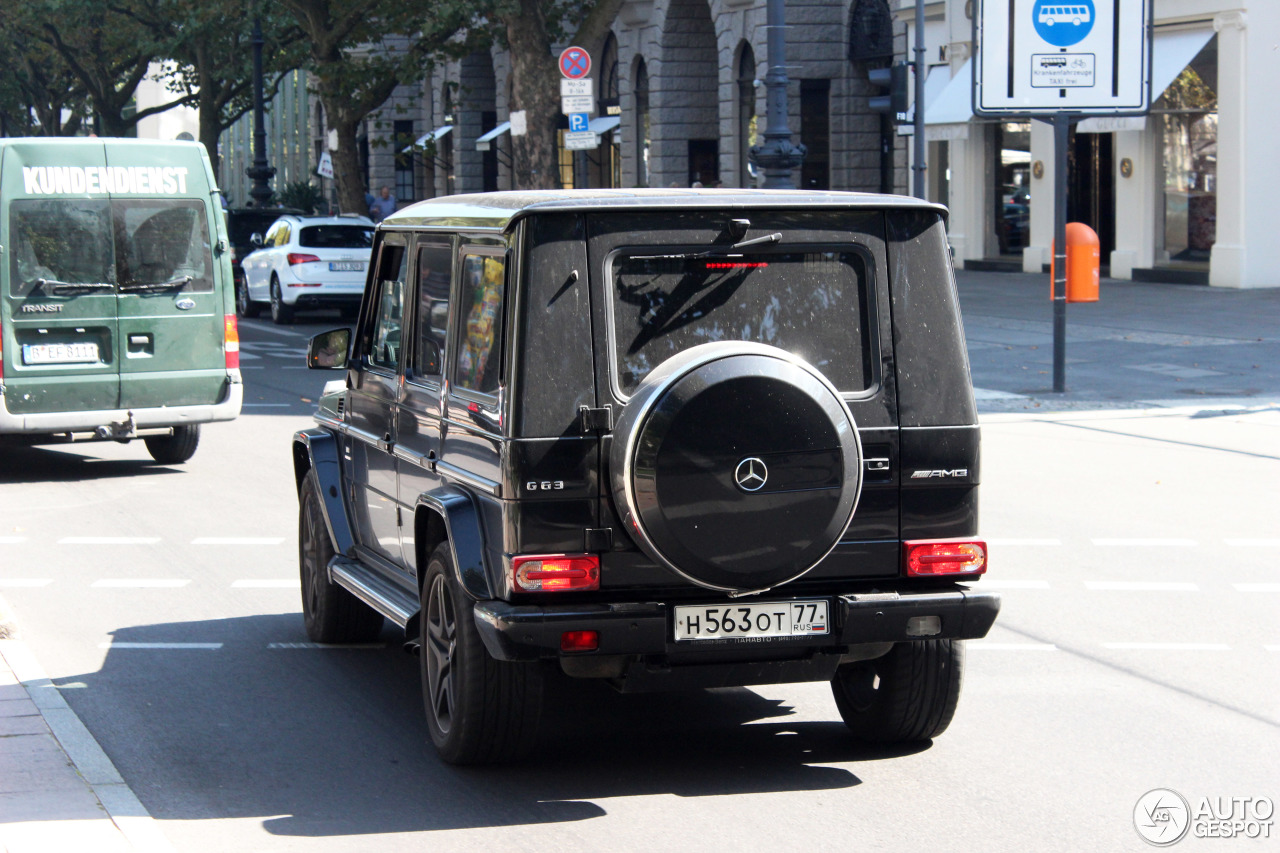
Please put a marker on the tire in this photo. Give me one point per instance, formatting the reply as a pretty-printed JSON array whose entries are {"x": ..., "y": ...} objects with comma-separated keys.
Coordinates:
[
  {"x": 331, "y": 614},
  {"x": 907, "y": 696},
  {"x": 245, "y": 306},
  {"x": 479, "y": 710},
  {"x": 281, "y": 314},
  {"x": 172, "y": 449}
]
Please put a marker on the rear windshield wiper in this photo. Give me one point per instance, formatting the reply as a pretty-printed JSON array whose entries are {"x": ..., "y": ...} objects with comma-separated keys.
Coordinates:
[
  {"x": 62, "y": 288},
  {"x": 719, "y": 251},
  {"x": 174, "y": 284}
]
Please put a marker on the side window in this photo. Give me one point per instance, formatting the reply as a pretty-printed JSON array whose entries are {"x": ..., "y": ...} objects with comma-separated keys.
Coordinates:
[
  {"x": 282, "y": 236},
  {"x": 434, "y": 275},
  {"x": 382, "y": 340},
  {"x": 480, "y": 312}
]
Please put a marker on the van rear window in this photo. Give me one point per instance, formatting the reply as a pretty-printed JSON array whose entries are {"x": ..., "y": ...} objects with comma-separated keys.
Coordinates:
[
  {"x": 336, "y": 237},
  {"x": 812, "y": 303},
  {"x": 134, "y": 245}
]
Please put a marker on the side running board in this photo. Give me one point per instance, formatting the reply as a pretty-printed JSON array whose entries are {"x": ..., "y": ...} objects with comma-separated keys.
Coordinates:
[{"x": 389, "y": 599}]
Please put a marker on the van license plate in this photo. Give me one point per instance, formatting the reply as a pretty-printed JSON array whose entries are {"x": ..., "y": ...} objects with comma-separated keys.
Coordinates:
[
  {"x": 759, "y": 619},
  {"x": 346, "y": 266},
  {"x": 59, "y": 353}
]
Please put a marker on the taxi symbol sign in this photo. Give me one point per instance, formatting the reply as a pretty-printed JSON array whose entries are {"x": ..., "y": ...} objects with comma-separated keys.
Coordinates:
[{"x": 575, "y": 63}]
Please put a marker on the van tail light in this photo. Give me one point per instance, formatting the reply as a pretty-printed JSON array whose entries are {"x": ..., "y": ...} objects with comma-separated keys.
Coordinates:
[
  {"x": 556, "y": 572},
  {"x": 934, "y": 557},
  {"x": 231, "y": 340},
  {"x": 296, "y": 258}
]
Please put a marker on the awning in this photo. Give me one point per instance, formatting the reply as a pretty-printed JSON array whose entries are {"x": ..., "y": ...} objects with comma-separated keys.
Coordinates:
[
  {"x": 428, "y": 137},
  {"x": 954, "y": 104},
  {"x": 934, "y": 84},
  {"x": 488, "y": 137},
  {"x": 604, "y": 124},
  {"x": 1171, "y": 52}
]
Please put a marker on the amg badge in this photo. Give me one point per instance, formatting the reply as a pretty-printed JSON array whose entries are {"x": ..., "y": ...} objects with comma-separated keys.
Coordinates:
[{"x": 940, "y": 472}]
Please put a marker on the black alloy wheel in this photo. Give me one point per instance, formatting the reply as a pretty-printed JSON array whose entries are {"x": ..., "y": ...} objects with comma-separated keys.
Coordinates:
[
  {"x": 908, "y": 695},
  {"x": 281, "y": 313},
  {"x": 246, "y": 307},
  {"x": 330, "y": 613}
]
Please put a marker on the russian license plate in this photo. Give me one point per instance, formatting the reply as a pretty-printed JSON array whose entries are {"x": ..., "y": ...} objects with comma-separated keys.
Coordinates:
[
  {"x": 758, "y": 619},
  {"x": 59, "y": 353},
  {"x": 346, "y": 266}
]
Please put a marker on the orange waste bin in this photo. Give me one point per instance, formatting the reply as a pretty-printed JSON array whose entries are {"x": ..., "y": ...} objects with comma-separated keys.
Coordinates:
[{"x": 1084, "y": 254}]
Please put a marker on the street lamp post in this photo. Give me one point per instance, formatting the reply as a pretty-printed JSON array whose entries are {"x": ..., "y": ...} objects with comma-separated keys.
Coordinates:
[
  {"x": 260, "y": 171},
  {"x": 777, "y": 155}
]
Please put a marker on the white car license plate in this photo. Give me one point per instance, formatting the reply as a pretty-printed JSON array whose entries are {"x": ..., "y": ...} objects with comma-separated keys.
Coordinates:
[
  {"x": 59, "y": 353},
  {"x": 346, "y": 266},
  {"x": 758, "y": 619}
]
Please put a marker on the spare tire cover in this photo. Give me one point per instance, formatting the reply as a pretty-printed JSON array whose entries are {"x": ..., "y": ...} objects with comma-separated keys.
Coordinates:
[{"x": 736, "y": 465}]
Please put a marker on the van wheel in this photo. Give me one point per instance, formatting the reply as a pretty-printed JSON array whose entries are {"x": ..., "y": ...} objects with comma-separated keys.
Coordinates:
[
  {"x": 330, "y": 613},
  {"x": 281, "y": 314},
  {"x": 172, "y": 449},
  {"x": 245, "y": 306},
  {"x": 908, "y": 695},
  {"x": 479, "y": 710}
]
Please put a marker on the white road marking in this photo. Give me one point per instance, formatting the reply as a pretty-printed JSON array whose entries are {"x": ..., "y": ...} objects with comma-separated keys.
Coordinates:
[
  {"x": 197, "y": 646},
  {"x": 1009, "y": 543},
  {"x": 1012, "y": 584},
  {"x": 238, "y": 540},
  {"x": 1257, "y": 587},
  {"x": 108, "y": 540},
  {"x": 139, "y": 583},
  {"x": 1145, "y": 543},
  {"x": 326, "y": 645},
  {"x": 267, "y": 584},
  {"x": 263, "y": 327},
  {"x": 1169, "y": 647},
  {"x": 1254, "y": 543},
  {"x": 1011, "y": 647},
  {"x": 1142, "y": 586},
  {"x": 12, "y": 540},
  {"x": 24, "y": 583}
]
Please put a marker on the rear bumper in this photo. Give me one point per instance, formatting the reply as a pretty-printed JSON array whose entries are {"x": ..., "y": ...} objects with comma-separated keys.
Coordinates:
[
  {"x": 518, "y": 632},
  {"x": 165, "y": 416}
]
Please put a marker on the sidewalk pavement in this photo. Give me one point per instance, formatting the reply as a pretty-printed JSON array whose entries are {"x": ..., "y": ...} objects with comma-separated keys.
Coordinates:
[
  {"x": 58, "y": 790},
  {"x": 1141, "y": 346}
]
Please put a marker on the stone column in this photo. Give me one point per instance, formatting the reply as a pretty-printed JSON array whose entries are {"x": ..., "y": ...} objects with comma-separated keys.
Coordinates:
[{"x": 1227, "y": 261}]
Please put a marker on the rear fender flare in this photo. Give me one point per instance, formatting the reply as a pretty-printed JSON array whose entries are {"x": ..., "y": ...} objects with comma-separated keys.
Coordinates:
[
  {"x": 317, "y": 449},
  {"x": 456, "y": 511}
]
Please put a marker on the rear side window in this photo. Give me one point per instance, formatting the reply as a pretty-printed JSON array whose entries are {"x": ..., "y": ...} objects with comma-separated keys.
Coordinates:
[
  {"x": 480, "y": 304},
  {"x": 434, "y": 270},
  {"x": 812, "y": 303},
  {"x": 132, "y": 244},
  {"x": 335, "y": 237}
]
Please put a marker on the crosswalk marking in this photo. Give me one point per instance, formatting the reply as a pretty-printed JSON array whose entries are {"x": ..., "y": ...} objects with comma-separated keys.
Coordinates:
[
  {"x": 1145, "y": 543},
  {"x": 108, "y": 540},
  {"x": 139, "y": 583},
  {"x": 1142, "y": 586}
]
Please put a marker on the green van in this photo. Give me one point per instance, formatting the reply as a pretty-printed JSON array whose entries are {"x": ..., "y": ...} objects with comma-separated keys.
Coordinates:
[{"x": 116, "y": 302}]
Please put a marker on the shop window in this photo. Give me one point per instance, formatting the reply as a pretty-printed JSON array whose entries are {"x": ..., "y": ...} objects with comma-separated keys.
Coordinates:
[{"x": 1187, "y": 120}]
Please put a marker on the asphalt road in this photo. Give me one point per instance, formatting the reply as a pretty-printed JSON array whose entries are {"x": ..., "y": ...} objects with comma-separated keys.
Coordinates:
[{"x": 1138, "y": 648}]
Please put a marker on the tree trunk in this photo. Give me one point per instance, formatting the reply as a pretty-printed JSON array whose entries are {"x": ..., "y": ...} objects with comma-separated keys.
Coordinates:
[
  {"x": 535, "y": 88},
  {"x": 346, "y": 165},
  {"x": 210, "y": 128}
]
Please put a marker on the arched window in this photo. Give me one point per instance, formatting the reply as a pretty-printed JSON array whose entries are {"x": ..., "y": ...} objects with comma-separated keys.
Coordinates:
[
  {"x": 746, "y": 115},
  {"x": 609, "y": 169}
]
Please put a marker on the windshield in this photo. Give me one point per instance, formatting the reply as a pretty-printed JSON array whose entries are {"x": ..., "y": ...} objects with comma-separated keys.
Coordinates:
[
  {"x": 810, "y": 303},
  {"x": 336, "y": 237},
  {"x": 133, "y": 244}
]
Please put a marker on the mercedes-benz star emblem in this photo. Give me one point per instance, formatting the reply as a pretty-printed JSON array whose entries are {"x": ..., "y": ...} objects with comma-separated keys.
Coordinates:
[{"x": 751, "y": 474}]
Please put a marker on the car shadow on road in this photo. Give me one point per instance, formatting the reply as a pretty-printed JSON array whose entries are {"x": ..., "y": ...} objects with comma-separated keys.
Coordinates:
[
  {"x": 332, "y": 741},
  {"x": 61, "y": 464}
]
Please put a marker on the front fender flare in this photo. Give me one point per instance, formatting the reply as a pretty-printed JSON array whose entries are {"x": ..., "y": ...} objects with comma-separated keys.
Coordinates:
[
  {"x": 463, "y": 532},
  {"x": 317, "y": 449}
]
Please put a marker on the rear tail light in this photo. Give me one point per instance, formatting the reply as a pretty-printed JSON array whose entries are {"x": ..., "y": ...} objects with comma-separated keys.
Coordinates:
[
  {"x": 556, "y": 572},
  {"x": 579, "y": 641},
  {"x": 933, "y": 557},
  {"x": 231, "y": 340},
  {"x": 296, "y": 258}
]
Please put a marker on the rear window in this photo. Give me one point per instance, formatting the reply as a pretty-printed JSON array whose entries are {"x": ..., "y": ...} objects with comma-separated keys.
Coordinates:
[
  {"x": 812, "y": 303},
  {"x": 336, "y": 237},
  {"x": 130, "y": 244}
]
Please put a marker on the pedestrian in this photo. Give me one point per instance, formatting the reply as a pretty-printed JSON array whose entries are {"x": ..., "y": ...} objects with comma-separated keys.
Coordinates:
[{"x": 383, "y": 206}]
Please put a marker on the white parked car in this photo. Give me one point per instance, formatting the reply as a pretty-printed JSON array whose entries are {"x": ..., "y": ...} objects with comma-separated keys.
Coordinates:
[{"x": 307, "y": 262}]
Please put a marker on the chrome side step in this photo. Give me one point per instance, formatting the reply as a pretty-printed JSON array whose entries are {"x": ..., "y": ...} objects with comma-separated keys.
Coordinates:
[{"x": 392, "y": 601}]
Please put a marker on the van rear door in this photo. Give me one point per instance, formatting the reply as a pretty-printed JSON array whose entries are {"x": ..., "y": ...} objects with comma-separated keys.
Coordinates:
[
  {"x": 61, "y": 348},
  {"x": 170, "y": 301}
]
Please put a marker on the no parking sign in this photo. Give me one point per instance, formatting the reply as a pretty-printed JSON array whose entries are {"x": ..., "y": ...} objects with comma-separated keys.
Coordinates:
[{"x": 575, "y": 63}]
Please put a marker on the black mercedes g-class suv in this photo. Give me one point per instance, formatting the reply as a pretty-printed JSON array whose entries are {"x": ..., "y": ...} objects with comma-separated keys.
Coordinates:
[{"x": 664, "y": 438}]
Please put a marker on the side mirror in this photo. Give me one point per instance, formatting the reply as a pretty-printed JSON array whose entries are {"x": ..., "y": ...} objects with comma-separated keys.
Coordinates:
[
  {"x": 255, "y": 240},
  {"x": 328, "y": 350}
]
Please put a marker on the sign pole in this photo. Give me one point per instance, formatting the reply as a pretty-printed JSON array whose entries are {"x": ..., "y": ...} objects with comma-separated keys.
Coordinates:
[{"x": 1061, "y": 129}]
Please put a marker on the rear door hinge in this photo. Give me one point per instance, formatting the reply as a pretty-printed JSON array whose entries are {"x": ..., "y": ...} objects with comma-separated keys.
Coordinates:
[{"x": 596, "y": 419}]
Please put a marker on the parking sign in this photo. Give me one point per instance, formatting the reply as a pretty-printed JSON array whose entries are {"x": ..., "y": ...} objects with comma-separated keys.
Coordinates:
[{"x": 1039, "y": 57}]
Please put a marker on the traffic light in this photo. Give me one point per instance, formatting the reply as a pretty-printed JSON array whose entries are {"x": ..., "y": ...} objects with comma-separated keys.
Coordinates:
[{"x": 894, "y": 80}]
